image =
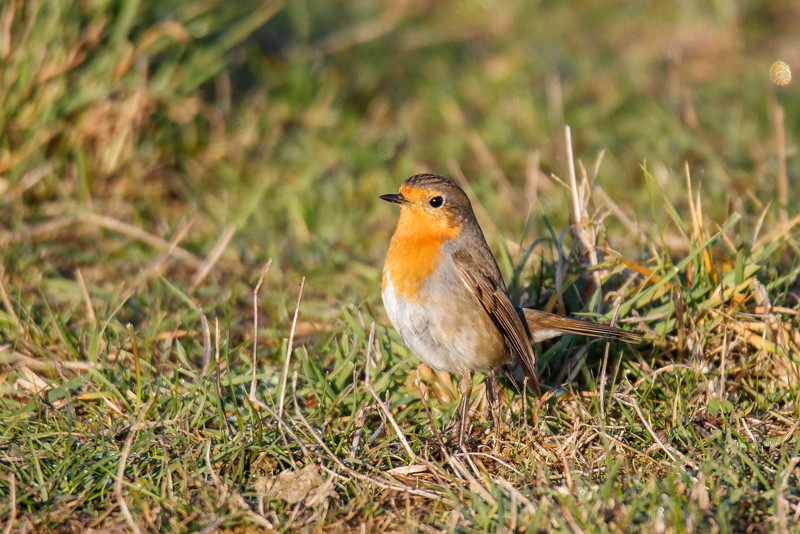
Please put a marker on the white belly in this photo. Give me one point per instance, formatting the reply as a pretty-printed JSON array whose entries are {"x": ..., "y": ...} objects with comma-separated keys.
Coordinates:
[{"x": 445, "y": 341}]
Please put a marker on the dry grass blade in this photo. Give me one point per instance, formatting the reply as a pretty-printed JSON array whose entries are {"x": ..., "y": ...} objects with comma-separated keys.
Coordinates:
[
  {"x": 27, "y": 182},
  {"x": 133, "y": 524},
  {"x": 213, "y": 257},
  {"x": 7, "y": 302},
  {"x": 90, "y": 313},
  {"x": 782, "y": 503},
  {"x": 137, "y": 233},
  {"x": 782, "y": 231},
  {"x": 256, "y": 289},
  {"x": 207, "y": 349},
  {"x": 423, "y": 399},
  {"x": 289, "y": 349},
  {"x": 368, "y": 381},
  {"x": 39, "y": 232},
  {"x": 604, "y": 370},
  {"x": 669, "y": 451},
  {"x": 461, "y": 470},
  {"x": 388, "y": 20},
  {"x": 156, "y": 266},
  {"x": 582, "y": 228},
  {"x": 17, "y": 358},
  {"x": 783, "y": 175},
  {"x": 12, "y": 503}
]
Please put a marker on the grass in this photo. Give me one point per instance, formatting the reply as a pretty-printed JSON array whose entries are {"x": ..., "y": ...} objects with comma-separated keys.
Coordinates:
[{"x": 158, "y": 374}]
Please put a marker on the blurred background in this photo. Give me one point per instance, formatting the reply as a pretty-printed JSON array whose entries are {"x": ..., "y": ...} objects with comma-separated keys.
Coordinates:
[{"x": 242, "y": 131}]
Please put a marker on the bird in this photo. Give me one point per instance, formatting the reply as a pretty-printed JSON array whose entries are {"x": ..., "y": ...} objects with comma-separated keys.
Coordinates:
[{"x": 445, "y": 295}]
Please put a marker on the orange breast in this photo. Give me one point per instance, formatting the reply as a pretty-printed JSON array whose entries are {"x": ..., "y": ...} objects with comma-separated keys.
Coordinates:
[{"x": 415, "y": 251}]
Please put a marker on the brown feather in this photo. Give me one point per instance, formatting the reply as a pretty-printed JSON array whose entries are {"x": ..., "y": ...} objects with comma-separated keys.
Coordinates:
[
  {"x": 543, "y": 325},
  {"x": 491, "y": 293}
]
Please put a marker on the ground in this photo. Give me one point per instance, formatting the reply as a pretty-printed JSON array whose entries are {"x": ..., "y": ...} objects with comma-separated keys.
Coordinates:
[{"x": 191, "y": 330}]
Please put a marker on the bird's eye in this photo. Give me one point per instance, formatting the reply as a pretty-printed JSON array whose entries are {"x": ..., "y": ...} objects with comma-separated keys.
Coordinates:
[{"x": 436, "y": 202}]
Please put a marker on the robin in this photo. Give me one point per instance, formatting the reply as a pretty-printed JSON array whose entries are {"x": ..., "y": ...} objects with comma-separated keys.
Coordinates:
[{"x": 445, "y": 295}]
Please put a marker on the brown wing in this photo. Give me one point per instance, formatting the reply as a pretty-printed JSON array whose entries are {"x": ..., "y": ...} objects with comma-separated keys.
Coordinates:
[{"x": 488, "y": 288}]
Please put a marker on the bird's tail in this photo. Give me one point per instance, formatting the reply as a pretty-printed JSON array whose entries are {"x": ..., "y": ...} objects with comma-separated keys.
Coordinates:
[{"x": 543, "y": 325}]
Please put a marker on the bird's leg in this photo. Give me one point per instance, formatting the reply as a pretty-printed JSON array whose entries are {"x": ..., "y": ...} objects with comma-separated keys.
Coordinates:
[
  {"x": 491, "y": 397},
  {"x": 463, "y": 409}
]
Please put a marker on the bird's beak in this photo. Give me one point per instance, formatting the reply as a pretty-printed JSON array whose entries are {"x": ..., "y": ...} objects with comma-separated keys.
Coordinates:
[{"x": 395, "y": 198}]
